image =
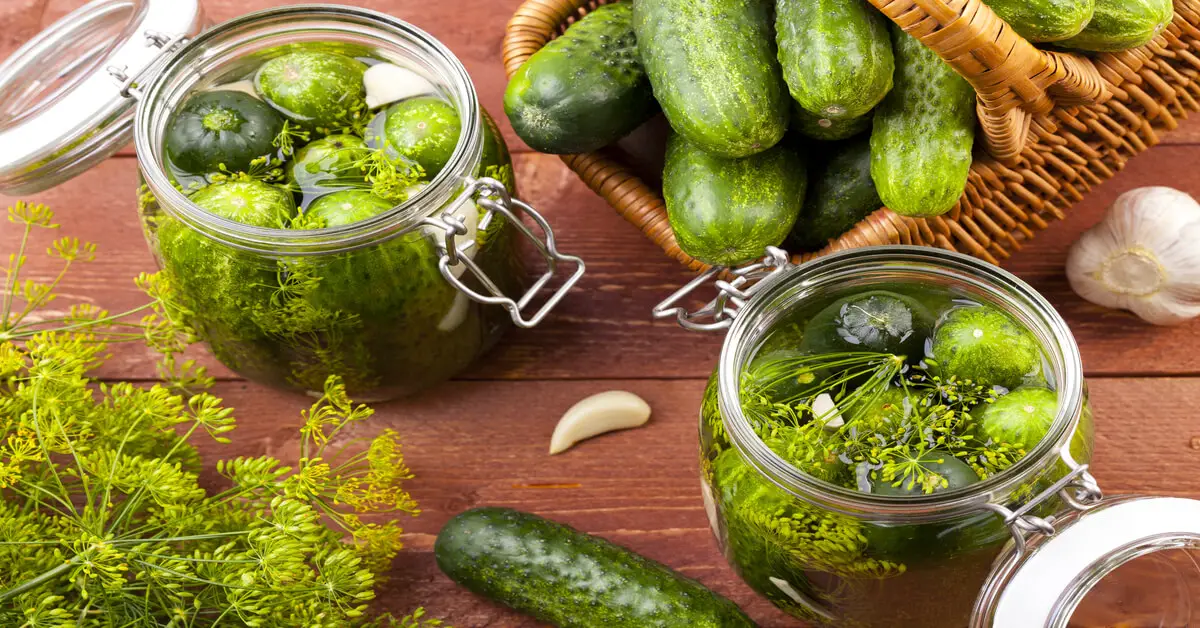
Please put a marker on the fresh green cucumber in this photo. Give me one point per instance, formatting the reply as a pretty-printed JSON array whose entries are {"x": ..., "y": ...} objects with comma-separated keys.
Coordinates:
[
  {"x": 923, "y": 132},
  {"x": 820, "y": 128},
  {"x": 840, "y": 194},
  {"x": 836, "y": 55},
  {"x": 584, "y": 90},
  {"x": 570, "y": 579},
  {"x": 1122, "y": 24},
  {"x": 713, "y": 68},
  {"x": 1045, "y": 20},
  {"x": 727, "y": 211}
]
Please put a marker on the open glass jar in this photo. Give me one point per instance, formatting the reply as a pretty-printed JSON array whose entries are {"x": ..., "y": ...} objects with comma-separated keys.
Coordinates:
[
  {"x": 1031, "y": 545},
  {"x": 404, "y": 296}
]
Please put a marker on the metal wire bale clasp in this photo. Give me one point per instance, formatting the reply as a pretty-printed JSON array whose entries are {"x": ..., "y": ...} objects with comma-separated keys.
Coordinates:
[
  {"x": 1078, "y": 489},
  {"x": 731, "y": 295},
  {"x": 492, "y": 196},
  {"x": 130, "y": 84}
]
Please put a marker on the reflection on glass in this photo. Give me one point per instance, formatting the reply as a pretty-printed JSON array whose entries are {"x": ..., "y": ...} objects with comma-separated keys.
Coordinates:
[{"x": 1155, "y": 590}]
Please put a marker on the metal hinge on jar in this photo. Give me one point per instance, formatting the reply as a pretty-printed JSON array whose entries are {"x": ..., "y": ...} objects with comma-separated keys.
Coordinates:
[
  {"x": 731, "y": 296},
  {"x": 492, "y": 196},
  {"x": 129, "y": 84},
  {"x": 1078, "y": 489}
]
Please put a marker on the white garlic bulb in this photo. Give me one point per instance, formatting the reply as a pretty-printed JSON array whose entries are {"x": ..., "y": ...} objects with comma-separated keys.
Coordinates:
[{"x": 1143, "y": 257}]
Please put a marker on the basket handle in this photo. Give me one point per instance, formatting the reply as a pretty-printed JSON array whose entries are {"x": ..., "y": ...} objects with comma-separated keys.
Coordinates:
[
  {"x": 1013, "y": 79},
  {"x": 534, "y": 24}
]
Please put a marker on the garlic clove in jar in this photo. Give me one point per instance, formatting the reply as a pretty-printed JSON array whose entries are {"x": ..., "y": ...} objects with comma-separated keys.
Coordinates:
[
  {"x": 245, "y": 87},
  {"x": 1144, "y": 256},
  {"x": 387, "y": 83}
]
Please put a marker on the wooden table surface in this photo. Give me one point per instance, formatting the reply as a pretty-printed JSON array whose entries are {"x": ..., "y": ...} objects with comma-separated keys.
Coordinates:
[{"x": 482, "y": 439}]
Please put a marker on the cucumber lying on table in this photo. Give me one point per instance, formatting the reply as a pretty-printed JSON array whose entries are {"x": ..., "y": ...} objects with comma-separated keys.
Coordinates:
[{"x": 570, "y": 579}]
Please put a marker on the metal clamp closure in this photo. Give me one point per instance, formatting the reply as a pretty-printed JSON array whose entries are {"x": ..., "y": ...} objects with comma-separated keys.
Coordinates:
[
  {"x": 731, "y": 295},
  {"x": 1078, "y": 489},
  {"x": 492, "y": 196},
  {"x": 130, "y": 84}
]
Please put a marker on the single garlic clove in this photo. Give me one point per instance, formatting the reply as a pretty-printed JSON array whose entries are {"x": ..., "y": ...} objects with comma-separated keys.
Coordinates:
[
  {"x": 598, "y": 414},
  {"x": 387, "y": 83},
  {"x": 246, "y": 87},
  {"x": 826, "y": 411}
]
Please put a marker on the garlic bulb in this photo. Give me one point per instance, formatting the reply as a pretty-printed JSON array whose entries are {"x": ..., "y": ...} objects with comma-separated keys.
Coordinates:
[{"x": 1143, "y": 257}]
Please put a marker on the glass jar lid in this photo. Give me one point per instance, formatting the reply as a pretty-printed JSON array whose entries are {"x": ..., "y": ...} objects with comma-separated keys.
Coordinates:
[
  {"x": 67, "y": 96},
  {"x": 1129, "y": 561}
]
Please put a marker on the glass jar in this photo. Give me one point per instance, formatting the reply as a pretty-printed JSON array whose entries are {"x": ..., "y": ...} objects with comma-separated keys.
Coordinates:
[
  {"x": 976, "y": 555},
  {"x": 393, "y": 303}
]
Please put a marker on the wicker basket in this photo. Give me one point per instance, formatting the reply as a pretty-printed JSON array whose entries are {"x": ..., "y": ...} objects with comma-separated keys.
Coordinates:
[{"x": 1053, "y": 124}]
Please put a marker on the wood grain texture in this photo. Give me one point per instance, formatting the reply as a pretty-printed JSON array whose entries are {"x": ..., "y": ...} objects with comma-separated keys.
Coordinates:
[
  {"x": 483, "y": 439},
  {"x": 639, "y": 488},
  {"x": 607, "y": 319}
]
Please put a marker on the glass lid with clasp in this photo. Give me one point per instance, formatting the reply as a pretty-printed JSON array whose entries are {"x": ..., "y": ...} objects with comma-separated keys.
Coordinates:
[
  {"x": 901, "y": 436},
  {"x": 319, "y": 184}
]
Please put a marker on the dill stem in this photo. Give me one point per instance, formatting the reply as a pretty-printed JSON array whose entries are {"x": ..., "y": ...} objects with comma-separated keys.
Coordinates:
[
  {"x": 90, "y": 323},
  {"x": 30, "y": 306},
  {"x": 14, "y": 269},
  {"x": 40, "y": 579}
]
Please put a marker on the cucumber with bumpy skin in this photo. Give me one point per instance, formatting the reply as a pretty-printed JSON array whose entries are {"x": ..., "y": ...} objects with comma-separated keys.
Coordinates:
[
  {"x": 923, "y": 133},
  {"x": 714, "y": 71},
  {"x": 1122, "y": 24},
  {"x": 836, "y": 55},
  {"x": 570, "y": 579},
  {"x": 727, "y": 211},
  {"x": 584, "y": 90},
  {"x": 840, "y": 194},
  {"x": 820, "y": 128},
  {"x": 1045, "y": 20}
]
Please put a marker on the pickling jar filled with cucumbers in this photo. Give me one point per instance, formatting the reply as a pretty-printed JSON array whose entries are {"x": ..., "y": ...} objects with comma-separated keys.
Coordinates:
[
  {"x": 901, "y": 436},
  {"x": 319, "y": 184}
]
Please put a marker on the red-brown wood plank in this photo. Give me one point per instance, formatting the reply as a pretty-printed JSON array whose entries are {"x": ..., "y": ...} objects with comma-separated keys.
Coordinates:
[{"x": 484, "y": 443}]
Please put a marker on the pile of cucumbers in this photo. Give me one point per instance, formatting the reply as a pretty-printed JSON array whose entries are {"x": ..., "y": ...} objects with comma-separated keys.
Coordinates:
[{"x": 792, "y": 119}]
